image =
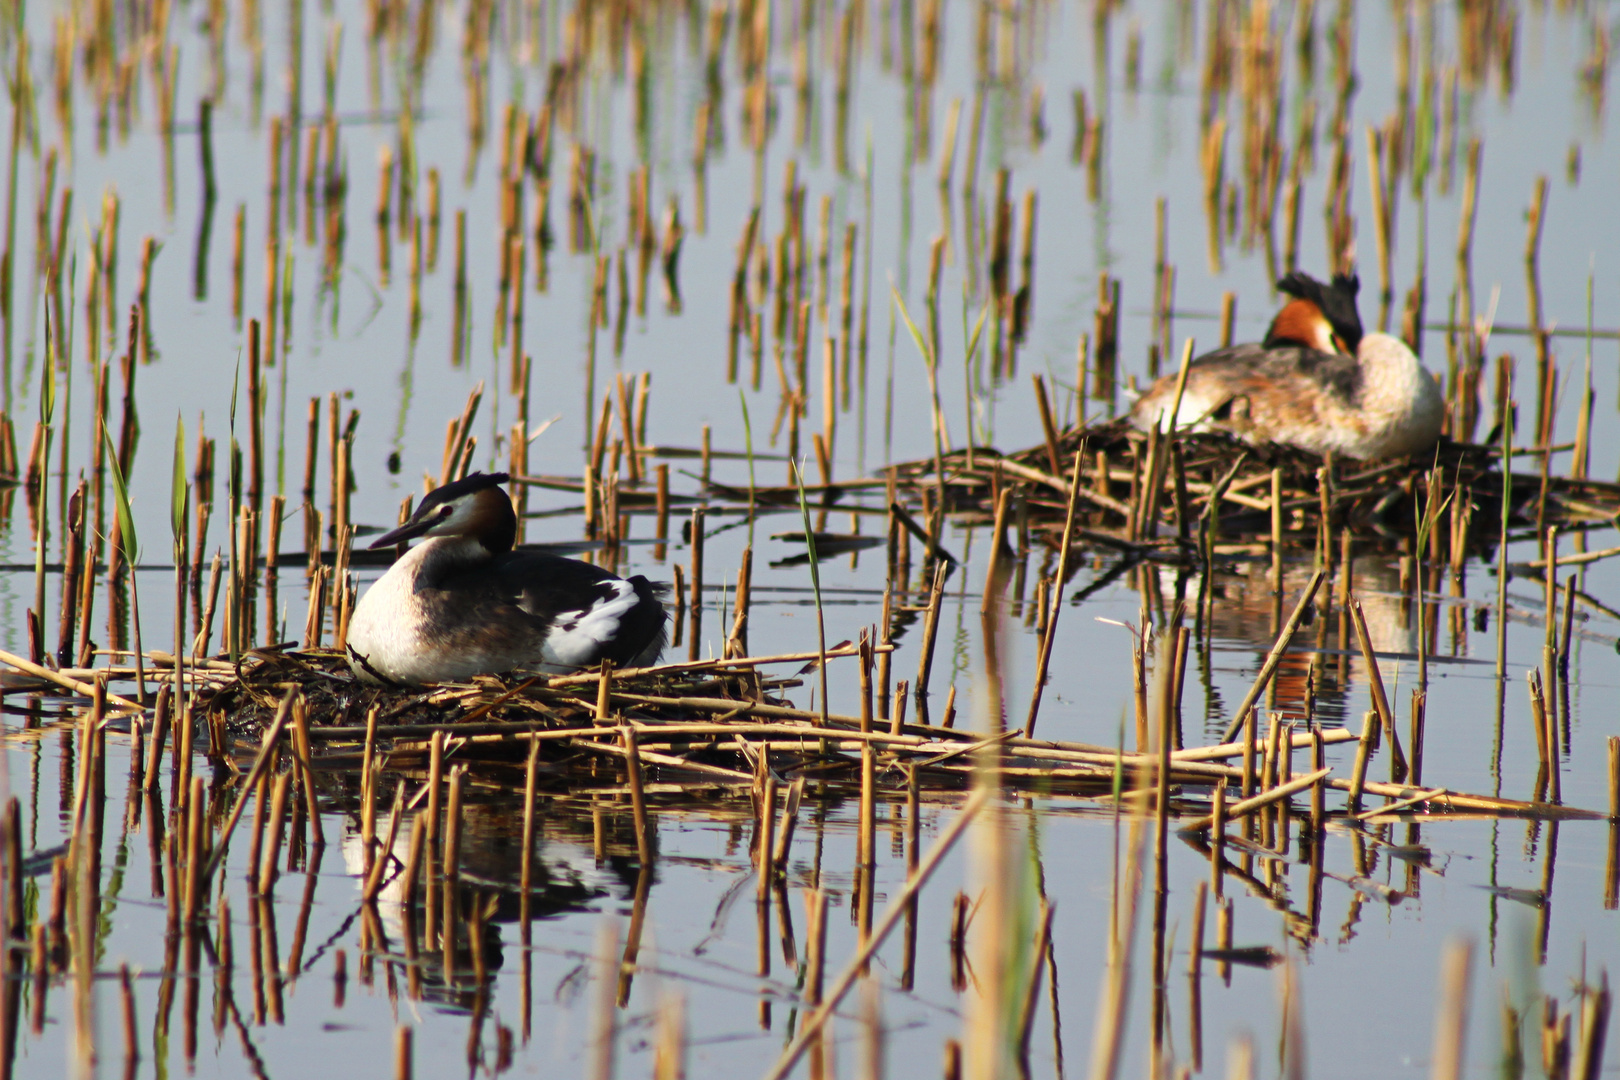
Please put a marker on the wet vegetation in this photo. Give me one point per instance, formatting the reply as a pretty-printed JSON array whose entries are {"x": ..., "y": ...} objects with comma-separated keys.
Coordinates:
[{"x": 698, "y": 233}]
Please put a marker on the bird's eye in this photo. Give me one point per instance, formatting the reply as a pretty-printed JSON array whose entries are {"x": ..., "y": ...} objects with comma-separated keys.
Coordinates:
[{"x": 444, "y": 511}]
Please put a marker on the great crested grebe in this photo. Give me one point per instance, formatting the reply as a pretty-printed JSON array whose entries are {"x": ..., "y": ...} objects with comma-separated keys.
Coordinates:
[
  {"x": 463, "y": 603},
  {"x": 1316, "y": 382}
]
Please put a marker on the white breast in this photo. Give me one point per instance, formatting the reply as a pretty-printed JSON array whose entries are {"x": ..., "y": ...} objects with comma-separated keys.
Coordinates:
[
  {"x": 1401, "y": 403},
  {"x": 388, "y": 629},
  {"x": 383, "y": 630}
]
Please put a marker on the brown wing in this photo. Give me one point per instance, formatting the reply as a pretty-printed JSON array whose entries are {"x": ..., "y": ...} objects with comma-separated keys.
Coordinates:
[{"x": 1256, "y": 393}]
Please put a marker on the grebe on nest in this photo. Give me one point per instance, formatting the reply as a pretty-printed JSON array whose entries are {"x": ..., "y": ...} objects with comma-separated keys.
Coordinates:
[
  {"x": 1316, "y": 382},
  {"x": 463, "y": 603}
]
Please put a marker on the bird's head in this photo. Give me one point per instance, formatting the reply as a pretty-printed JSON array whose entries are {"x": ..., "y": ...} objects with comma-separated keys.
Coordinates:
[
  {"x": 1321, "y": 317},
  {"x": 474, "y": 507}
]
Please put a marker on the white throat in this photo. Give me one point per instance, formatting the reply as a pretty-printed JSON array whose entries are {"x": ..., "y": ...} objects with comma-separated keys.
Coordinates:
[{"x": 438, "y": 553}]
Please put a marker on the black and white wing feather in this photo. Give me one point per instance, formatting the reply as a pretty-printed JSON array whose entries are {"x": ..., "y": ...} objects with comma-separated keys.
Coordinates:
[{"x": 584, "y": 614}]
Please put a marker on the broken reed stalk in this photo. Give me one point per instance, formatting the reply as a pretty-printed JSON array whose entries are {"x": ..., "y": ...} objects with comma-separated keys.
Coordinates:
[
  {"x": 1451, "y": 1019},
  {"x": 1044, "y": 661},
  {"x": 1588, "y": 1062},
  {"x": 1614, "y": 779},
  {"x": 403, "y": 1052},
  {"x": 1318, "y": 809},
  {"x": 1550, "y": 614},
  {"x": 450, "y": 867},
  {"x": 995, "y": 572},
  {"x": 196, "y": 838},
  {"x": 1375, "y": 681},
  {"x": 1217, "y": 839},
  {"x": 413, "y": 865},
  {"x": 526, "y": 857},
  {"x": 1195, "y": 951},
  {"x": 450, "y": 860},
  {"x": 374, "y": 879},
  {"x": 1258, "y": 802},
  {"x": 867, "y": 822},
  {"x": 161, "y": 721},
  {"x": 369, "y": 769},
  {"x": 1274, "y": 658},
  {"x": 1187, "y": 350},
  {"x": 58, "y": 679},
  {"x": 638, "y": 801},
  {"x": 1108, "y": 1033},
  {"x": 696, "y": 604},
  {"x": 737, "y": 642},
  {"x": 1540, "y": 723},
  {"x": 1364, "y": 750},
  {"x": 1402, "y": 804},
  {"x": 306, "y": 770},
  {"x": 266, "y": 753},
  {"x": 1048, "y": 427},
  {"x": 272, "y": 847},
  {"x": 1032, "y": 986},
  {"x": 810, "y": 1031},
  {"x": 1549, "y": 724},
  {"x": 785, "y": 825},
  {"x": 261, "y": 804},
  {"x": 925, "y": 657}
]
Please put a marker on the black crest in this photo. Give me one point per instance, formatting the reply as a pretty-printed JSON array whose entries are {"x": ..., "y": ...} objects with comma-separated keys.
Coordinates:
[
  {"x": 1336, "y": 300},
  {"x": 458, "y": 489}
]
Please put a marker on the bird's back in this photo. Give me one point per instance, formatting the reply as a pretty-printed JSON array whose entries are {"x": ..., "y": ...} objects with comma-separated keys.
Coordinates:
[
  {"x": 556, "y": 612},
  {"x": 622, "y": 616},
  {"x": 1256, "y": 392}
]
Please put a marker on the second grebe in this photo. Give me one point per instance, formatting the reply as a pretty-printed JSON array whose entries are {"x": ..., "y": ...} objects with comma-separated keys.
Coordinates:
[
  {"x": 1316, "y": 382},
  {"x": 463, "y": 603}
]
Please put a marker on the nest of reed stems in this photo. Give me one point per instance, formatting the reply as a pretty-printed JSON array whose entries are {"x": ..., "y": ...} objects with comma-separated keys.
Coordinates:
[
  {"x": 712, "y": 727},
  {"x": 1161, "y": 498},
  {"x": 691, "y": 727}
]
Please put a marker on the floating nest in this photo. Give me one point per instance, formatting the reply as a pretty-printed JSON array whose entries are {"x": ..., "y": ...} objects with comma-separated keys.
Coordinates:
[
  {"x": 1162, "y": 500},
  {"x": 692, "y": 727},
  {"x": 708, "y": 727},
  {"x": 491, "y": 719}
]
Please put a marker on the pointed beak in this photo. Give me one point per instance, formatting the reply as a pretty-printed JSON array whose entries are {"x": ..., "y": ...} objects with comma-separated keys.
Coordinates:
[{"x": 408, "y": 531}]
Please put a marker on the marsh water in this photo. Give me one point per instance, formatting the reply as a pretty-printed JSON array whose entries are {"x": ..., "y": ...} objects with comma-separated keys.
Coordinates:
[{"x": 411, "y": 113}]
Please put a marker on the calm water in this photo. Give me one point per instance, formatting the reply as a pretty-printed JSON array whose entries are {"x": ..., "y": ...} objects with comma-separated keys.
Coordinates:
[{"x": 1370, "y": 962}]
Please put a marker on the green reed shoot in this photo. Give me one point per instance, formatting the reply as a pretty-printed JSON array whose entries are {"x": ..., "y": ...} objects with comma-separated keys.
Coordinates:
[
  {"x": 1425, "y": 134},
  {"x": 1509, "y": 407},
  {"x": 1117, "y": 784},
  {"x": 748, "y": 446},
  {"x": 929, "y": 362},
  {"x": 129, "y": 549},
  {"x": 1425, "y": 518},
  {"x": 179, "y": 489},
  {"x": 815, "y": 584},
  {"x": 972, "y": 351},
  {"x": 179, "y": 507},
  {"x": 47, "y": 413},
  {"x": 233, "y": 487}
]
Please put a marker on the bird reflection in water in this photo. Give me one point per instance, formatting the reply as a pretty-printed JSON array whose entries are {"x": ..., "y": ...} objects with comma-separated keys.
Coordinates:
[
  {"x": 581, "y": 860},
  {"x": 1318, "y": 674}
]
